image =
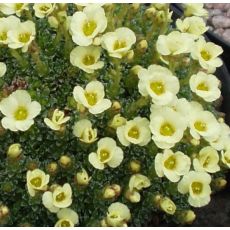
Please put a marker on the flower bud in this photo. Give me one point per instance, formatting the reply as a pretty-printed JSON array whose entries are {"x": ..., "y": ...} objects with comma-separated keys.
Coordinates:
[
  {"x": 160, "y": 16},
  {"x": 53, "y": 22},
  {"x": 135, "y": 69},
  {"x": 150, "y": 12},
  {"x": 167, "y": 205},
  {"x": 112, "y": 191},
  {"x": 116, "y": 105},
  {"x": 135, "y": 6},
  {"x": 220, "y": 183},
  {"x": 82, "y": 178},
  {"x": 133, "y": 196},
  {"x": 130, "y": 55},
  {"x": 195, "y": 142},
  {"x": 4, "y": 211},
  {"x": 14, "y": 150},
  {"x": 135, "y": 166},
  {"x": 142, "y": 45},
  {"x": 81, "y": 108},
  {"x": 186, "y": 217},
  {"x": 65, "y": 161},
  {"x": 62, "y": 16},
  {"x": 52, "y": 168},
  {"x": 97, "y": 41},
  {"x": 117, "y": 121}
]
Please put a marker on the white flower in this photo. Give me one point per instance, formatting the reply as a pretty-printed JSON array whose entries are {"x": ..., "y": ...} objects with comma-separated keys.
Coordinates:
[
  {"x": 135, "y": 131},
  {"x": 88, "y": 4},
  {"x": 84, "y": 131},
  {"x": 19, "y": 111},
  {"x": 207, "y": 160},
  {"x": 167, "y": 127},
  {"x": 197, "y": 184},
  {"x": 67, "y": 218},
  {"x": 61, "y": 197},
  {"x": 92, "y": 97},
  {"x": 86, "y": 58},
  {"x": 108, "y": 153},
  {"x": 37, "y": 180},
  {"x": 82, "y": 177},
  {"x": 172, "y": 165},
  {"x": 86, "y": 25},
  {"x": 43, "y": 9},
  {"x": 159, "y": 83},
  {"x": 2, "y": 69},
  {"x": 7, "y": 24},
  {"x": 58, "y": 119},
  {"x": 167, "y": 205},
  {"x": 225, "y": 157},
  {"x": 119, "y": 42},
  {"x": 196, "y": 9},
  {"x": 205, "y": 86},
  {"x": 22, "y": 36},
  {"x": 118, "y": 215},
  {"x": 204, "y": 123},
  {"x": 174, "y": 43},
  {"x": 13, "y": 8},
  {"x": 207, "y": 54},
  {"x": 192, "y": 25},
  {"x": 138, "y": 182}
]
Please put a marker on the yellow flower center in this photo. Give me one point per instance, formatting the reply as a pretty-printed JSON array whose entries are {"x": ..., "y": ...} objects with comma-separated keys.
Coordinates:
[
  {"x": 3, "y": 36},
  {"x": 18, "y": 6},
  {"x": 104, "y": 155},
  {"x": 134, "y": 132},
  {"x": 88, "y": 60},
  {"x": 65, "y": 223},
  {"x": 157, "y": 87},
  {"x": 89, "y": 27},
  {"x": 24, "y": 38},
  {"x": 21, "y": 113},
  {"x": 197, "y": 187},
  {"x": 202, "y": 86},
  {"x": 113, "y": 215},
  {"x": 36, "y": 181},
  {"x": 60, "y": 197},
  {"x": 119, "y": 45},
  {"x": 200, "y": 126},
  {"x": 91, "y": 98},
  {"x": 44, "y": 8},
  {"x": 170, "y": 163},
  {"x": 205, "y": 55},
  {"x": 167, "y": 129},
  {"x": 207, "y": 161}
]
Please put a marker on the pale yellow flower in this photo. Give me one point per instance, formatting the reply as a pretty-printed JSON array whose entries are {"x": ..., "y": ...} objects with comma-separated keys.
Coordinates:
[
  {"x": 168, "y": 206},
  {"x": 82, "y": 177},
  {"x": 67, "y": 218},
  {"x": 2, "y": 69},
  {"x": 225, "y": 157},
  {"x": 117, "y": 121},
  {"x": 196, "y": 9},
  {"x": 13, "y": 8},
  {"x": 14, "y": 150},
  {"x": 43, "y": 9},
  {"x": 19, "y": 111}
]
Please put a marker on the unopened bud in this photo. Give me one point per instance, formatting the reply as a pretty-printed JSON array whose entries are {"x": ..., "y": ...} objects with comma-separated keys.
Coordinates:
[
  {"x": 135, "y": 69},
  {"x": 4, "y": 211},
  {"x": 81, "y": 108},
  {"x": 117, "y": 121},
  {"x": 160, "y": 16},
  {"x": 195, "y": 142},
  {"x": 220, "y": 183},
  {"x": 52, "y": 168},
  {"x": 167, "y": 205},
  {"x": 14, "y": 150},
  {"x": 116, "y": 105},
  {"x": 97, "y": 41},
  {"x": 133, "y": 196},
  {"x": 112, "y": 191},
  {"x": 150, "y": 12},
  {"x": 135, "y": 166},
  {"x": 142, "y": 45},
  {"x": 130, "y": 55},
  {"x": 82, "y": 178},
  {"x": 187, "y": 217},
  {"x": 65, "y": 161},
  {"x": 53, "y": 22}
]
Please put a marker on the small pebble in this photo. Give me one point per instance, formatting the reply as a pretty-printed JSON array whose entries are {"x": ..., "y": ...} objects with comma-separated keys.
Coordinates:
[
  {"x": 226, "y": 35},
  {"x": 221, "y": 21}
]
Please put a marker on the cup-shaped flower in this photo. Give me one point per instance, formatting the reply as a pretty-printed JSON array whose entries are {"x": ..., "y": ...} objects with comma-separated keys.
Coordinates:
[
  {"x": 13, "y": 8},
  {"x": 207, "y": 160},
  {"x": 92, "y": 97},
  {"x": 22, "y": 35},
  {"x": 86, "y": 25},
  {"x": 117, "y": 121},
  {"x": 43, "y": 9},
  {"x": 174, "y": 43},
  {"x": 19, "y": 111},
  {"x": 118, "y": 215},
  {"x": 207, "y": 54},
  {"x": 2, "y": 69},
  {"x": 138, "y": 182},
  {"x": 196, "y": 9},
  {"x": 172, "y": 165},
  {"x": 37, "y": 180},
  {"x": 58, "y": 119},
  {"x": 61, "y": 197},
  {"x": 135, "y": 131},
  {"x": 14, "y": 150},
  {"x": 82, "y": 177},
  {"x": 84, "y": 131},
  {"x": 197, "y": 184},
  {"x": 67, "y": 218},
  {"x": 119, "y": 42},
  {"x": 225, "y": 157},
  {"x": 167, "y": 205},
  {"x": 108, "y": 153},
  {"x": 205, "y": 86},
  {"x": 167, "y": 127},
  {"x": 158, "y": 83},
  {"x": 86, "y": 58}
]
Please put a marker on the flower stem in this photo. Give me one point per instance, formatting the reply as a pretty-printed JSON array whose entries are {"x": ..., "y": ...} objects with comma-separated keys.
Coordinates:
[{"x": 22, "y": 61}]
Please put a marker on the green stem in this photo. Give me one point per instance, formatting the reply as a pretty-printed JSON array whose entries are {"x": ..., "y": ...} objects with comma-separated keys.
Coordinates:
[
  {"x": 40, "y": 65},
  {"x": 22, "y": 61}
]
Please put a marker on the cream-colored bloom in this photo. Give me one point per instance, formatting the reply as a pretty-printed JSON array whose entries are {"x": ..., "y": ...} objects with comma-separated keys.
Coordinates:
[
  {"x": 135, "y": 131},
  {"x": 205, "y": 86},
  {"x": 167, "y": 205},
  {"x": 2, "y": 69},
  {"x": 7, "y": 24},
  {"x": 108, "y": 153},
  {"x": 86, "y": 25},
  {"x": 167, "y": 127},
  {"x": 174, "y": 43},
  {"x": 22, "y": 36},
  {"x": 172, "y": 165},
  {"x": 92, "y": 97},
  {"x": 43, "y": 9},
  {"x": 37, "y": 180},
  {"x": 82, "y": 177},
  {"x": 207, "y": 54},
  {"x": 225, "y": 157},
  {"x": 118, "y": 214},
  {"x": 117, "y": 121},
  {"x": 19, "y": 111},
  {"x": 90, "y": 4},
  {"x": 159, "y": 83},
  {"x": 197, "y": 184},
  {"x": 207, "y": 160},
  {"x": 58, "y": 119},
  {"x": 119, "y": 42},
  {"x": 86, "y": 58},
  {"x": 13, "y": 8},
  {"x": 67, "y": 218},
  {"x": 193, "y": 25},
  {"x": 84, "y": 131},
  {"x": 61, "y": 197},
  {"x": 204, "y": 124},
  {"x": 14, "y": 150},
  {"x": 196, "y": 9}
]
